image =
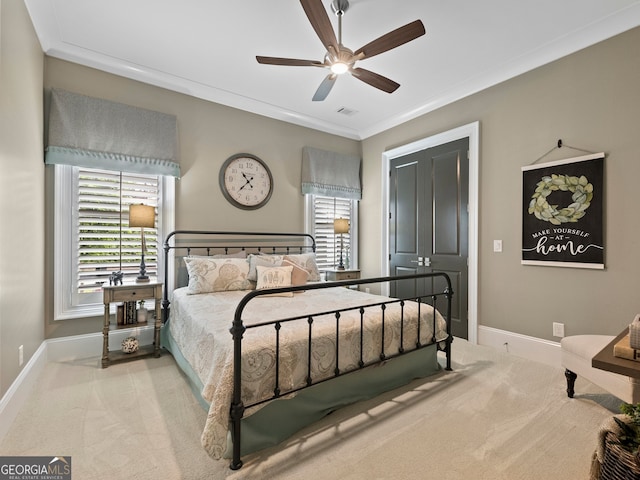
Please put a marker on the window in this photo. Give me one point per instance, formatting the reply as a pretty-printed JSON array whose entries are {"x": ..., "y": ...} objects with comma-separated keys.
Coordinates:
[
  {"x": 92, "y": 236},
  {"x": 320, "y": 212}
]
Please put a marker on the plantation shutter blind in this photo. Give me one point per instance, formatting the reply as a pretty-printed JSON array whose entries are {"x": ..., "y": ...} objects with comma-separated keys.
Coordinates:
[
  {"x": 105, "y": 241},
  {"x": 326, "y": 209}
]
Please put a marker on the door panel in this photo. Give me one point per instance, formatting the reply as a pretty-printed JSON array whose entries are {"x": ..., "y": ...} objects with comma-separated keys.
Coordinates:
[
  {"x": 407, "y": 209},
  {"x": 446, "y": 238},
  {"x": 403, "y": 223},
  {"x": 428, "y": 224}
]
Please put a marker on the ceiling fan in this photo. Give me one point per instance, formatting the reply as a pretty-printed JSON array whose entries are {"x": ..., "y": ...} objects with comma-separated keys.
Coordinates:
[{"x": 339, "y": 59}]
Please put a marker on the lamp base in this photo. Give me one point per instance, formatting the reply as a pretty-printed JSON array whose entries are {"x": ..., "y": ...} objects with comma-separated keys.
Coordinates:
[{"x": 142, "y": 279}]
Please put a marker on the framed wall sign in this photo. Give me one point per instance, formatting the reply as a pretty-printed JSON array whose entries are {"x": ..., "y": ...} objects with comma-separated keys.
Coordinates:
[{"x": 562, "y": 217}]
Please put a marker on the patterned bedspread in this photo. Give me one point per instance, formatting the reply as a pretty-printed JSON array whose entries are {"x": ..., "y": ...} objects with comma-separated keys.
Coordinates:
[{"x": 200, "y": 324}]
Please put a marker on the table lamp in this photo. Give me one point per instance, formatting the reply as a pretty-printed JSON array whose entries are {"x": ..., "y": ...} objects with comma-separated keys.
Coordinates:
[
  {"x": 341, "y": 226},
  {"x": 142, "y": 216}
]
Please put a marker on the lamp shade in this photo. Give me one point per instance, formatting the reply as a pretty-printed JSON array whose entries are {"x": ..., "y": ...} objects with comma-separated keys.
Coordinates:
[
  {"x": 341, "y": 225},
  {"x": 142, "y": 216}
]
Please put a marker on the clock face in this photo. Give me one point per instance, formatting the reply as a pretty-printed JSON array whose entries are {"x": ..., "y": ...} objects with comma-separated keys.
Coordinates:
[{"x": 246, "y": 181}]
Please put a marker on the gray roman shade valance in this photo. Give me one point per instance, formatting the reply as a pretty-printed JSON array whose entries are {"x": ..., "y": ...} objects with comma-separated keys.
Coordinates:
[
  {"x": 330, "y": 174},
  {"x": 94, "y": 133}
]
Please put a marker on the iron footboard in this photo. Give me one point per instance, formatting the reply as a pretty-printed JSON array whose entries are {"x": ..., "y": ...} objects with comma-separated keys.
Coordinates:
[{"x": 238, "y": 330}]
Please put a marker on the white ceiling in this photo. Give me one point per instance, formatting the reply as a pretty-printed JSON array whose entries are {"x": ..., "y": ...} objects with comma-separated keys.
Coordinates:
[{"x": 207, "y": 49}]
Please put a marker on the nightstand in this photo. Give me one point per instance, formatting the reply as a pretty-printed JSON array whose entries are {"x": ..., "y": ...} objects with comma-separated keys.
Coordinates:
[
  {"x": 130, "y": 293},
  {"x": 337, "y": 275}
]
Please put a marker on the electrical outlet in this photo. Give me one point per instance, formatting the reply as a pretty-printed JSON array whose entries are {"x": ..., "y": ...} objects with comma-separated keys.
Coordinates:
[
  {"x": 497, "y": 246},
  {"x": 20, "y": 355},
  {"x": 558, "y": 329}
]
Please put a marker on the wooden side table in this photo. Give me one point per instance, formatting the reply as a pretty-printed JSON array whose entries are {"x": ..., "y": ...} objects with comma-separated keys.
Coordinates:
[
  {"x": 337, "y": 275},
  {"x": 129, "y": 293},
  {"x": 606, "y": 360}
]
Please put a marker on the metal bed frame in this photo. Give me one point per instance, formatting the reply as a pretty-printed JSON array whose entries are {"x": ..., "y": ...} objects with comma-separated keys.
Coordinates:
[{"x": 304, "y": 243}]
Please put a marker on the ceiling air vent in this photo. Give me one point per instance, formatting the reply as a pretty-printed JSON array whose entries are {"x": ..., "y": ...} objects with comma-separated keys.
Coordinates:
[{"x": 347, "y": 111}]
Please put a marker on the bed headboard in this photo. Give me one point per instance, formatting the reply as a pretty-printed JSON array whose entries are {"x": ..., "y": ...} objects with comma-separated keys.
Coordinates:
[{"x": 181, "y": 243}]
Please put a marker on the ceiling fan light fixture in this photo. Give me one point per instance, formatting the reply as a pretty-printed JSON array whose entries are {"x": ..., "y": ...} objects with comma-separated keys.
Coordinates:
[
  {"x": 338, "y": 58},
  {"x": 339, "y": 68}
]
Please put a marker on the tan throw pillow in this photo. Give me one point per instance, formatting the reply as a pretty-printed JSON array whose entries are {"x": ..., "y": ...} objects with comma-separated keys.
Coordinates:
[
  {"x": 208, "y": 274},
  {"x": 265, "y": 261},
  {"x": 299, "y": 276},
  {"x": 308, "y": 262},
  {"x": 274, "y": 277}
]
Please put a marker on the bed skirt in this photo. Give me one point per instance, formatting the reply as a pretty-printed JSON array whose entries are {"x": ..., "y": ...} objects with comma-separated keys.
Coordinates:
[{"x": 281, "y": 418}]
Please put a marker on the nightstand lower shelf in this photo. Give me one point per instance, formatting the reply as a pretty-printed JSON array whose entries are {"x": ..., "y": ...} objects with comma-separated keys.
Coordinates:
[{"x": 116, "y": 356}]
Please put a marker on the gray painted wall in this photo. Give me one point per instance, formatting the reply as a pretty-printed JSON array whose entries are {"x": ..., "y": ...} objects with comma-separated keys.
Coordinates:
[
  {"x": 21, "y": 191},
  {"x": 590, "y": 100}
]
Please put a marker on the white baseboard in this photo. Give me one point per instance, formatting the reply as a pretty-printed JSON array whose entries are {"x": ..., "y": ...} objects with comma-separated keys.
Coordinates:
[
  {"x": 531, "y": 348},
  {"x": 60, "y": 350},
  {"x": 21, "y": 388}
]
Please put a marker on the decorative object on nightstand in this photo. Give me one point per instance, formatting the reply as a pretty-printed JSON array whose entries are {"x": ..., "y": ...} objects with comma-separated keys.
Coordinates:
[
  {"x": 130, "y": 345},
  {"x": 116, "y": 278},
  {"x": 142, "y": 313},
  {"x": 142, "y": 216},
  {"x": 341, "y": 226}
]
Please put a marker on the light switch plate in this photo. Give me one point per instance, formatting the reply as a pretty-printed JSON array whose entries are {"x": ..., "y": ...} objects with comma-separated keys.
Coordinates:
[{"x": 497, "y": 245}]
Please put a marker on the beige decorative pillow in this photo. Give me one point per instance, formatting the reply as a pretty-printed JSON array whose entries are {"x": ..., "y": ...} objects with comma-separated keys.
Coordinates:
[
  {"x": 299, "y": 275},
  {"x": 208, "y": 274},
  {"x": 274, "y": 277},
  {"x": 265, "y": 261},
  {"x": 308, "y": 262}
]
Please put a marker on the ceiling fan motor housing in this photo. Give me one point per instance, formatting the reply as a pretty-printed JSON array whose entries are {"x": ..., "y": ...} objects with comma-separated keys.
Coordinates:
[{"x": 339, "y": 7}]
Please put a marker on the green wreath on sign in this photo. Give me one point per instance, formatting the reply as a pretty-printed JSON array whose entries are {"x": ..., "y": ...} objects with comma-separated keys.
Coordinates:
[{"x": 582, "y": 194}]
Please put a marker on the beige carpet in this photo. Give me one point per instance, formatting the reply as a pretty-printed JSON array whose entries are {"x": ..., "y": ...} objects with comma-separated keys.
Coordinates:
[{"x": 495, "y": 417}]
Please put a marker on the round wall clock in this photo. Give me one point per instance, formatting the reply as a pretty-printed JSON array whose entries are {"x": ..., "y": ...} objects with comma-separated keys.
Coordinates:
[{"x": 246, "y": 181}]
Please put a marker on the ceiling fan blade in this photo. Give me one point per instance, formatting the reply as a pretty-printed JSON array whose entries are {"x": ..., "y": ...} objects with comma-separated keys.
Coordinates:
[
  {"x": 325, "y": 87},
  {"x": 393, "y": 39},
  {"x": 290, "y": 62},
  {"x": 320, "y": 22},
  {"x": 375, "y": 80}
]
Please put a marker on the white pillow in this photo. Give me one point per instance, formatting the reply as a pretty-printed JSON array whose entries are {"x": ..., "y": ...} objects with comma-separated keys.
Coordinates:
[
  {"x": 274, "y": 277},
  {"x": 265, "y": 261},
  {"x": 208, "y": 274}
]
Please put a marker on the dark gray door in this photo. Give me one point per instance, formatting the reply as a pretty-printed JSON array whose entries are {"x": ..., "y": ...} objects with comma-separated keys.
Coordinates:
[{"x": 429, "y": 222}]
